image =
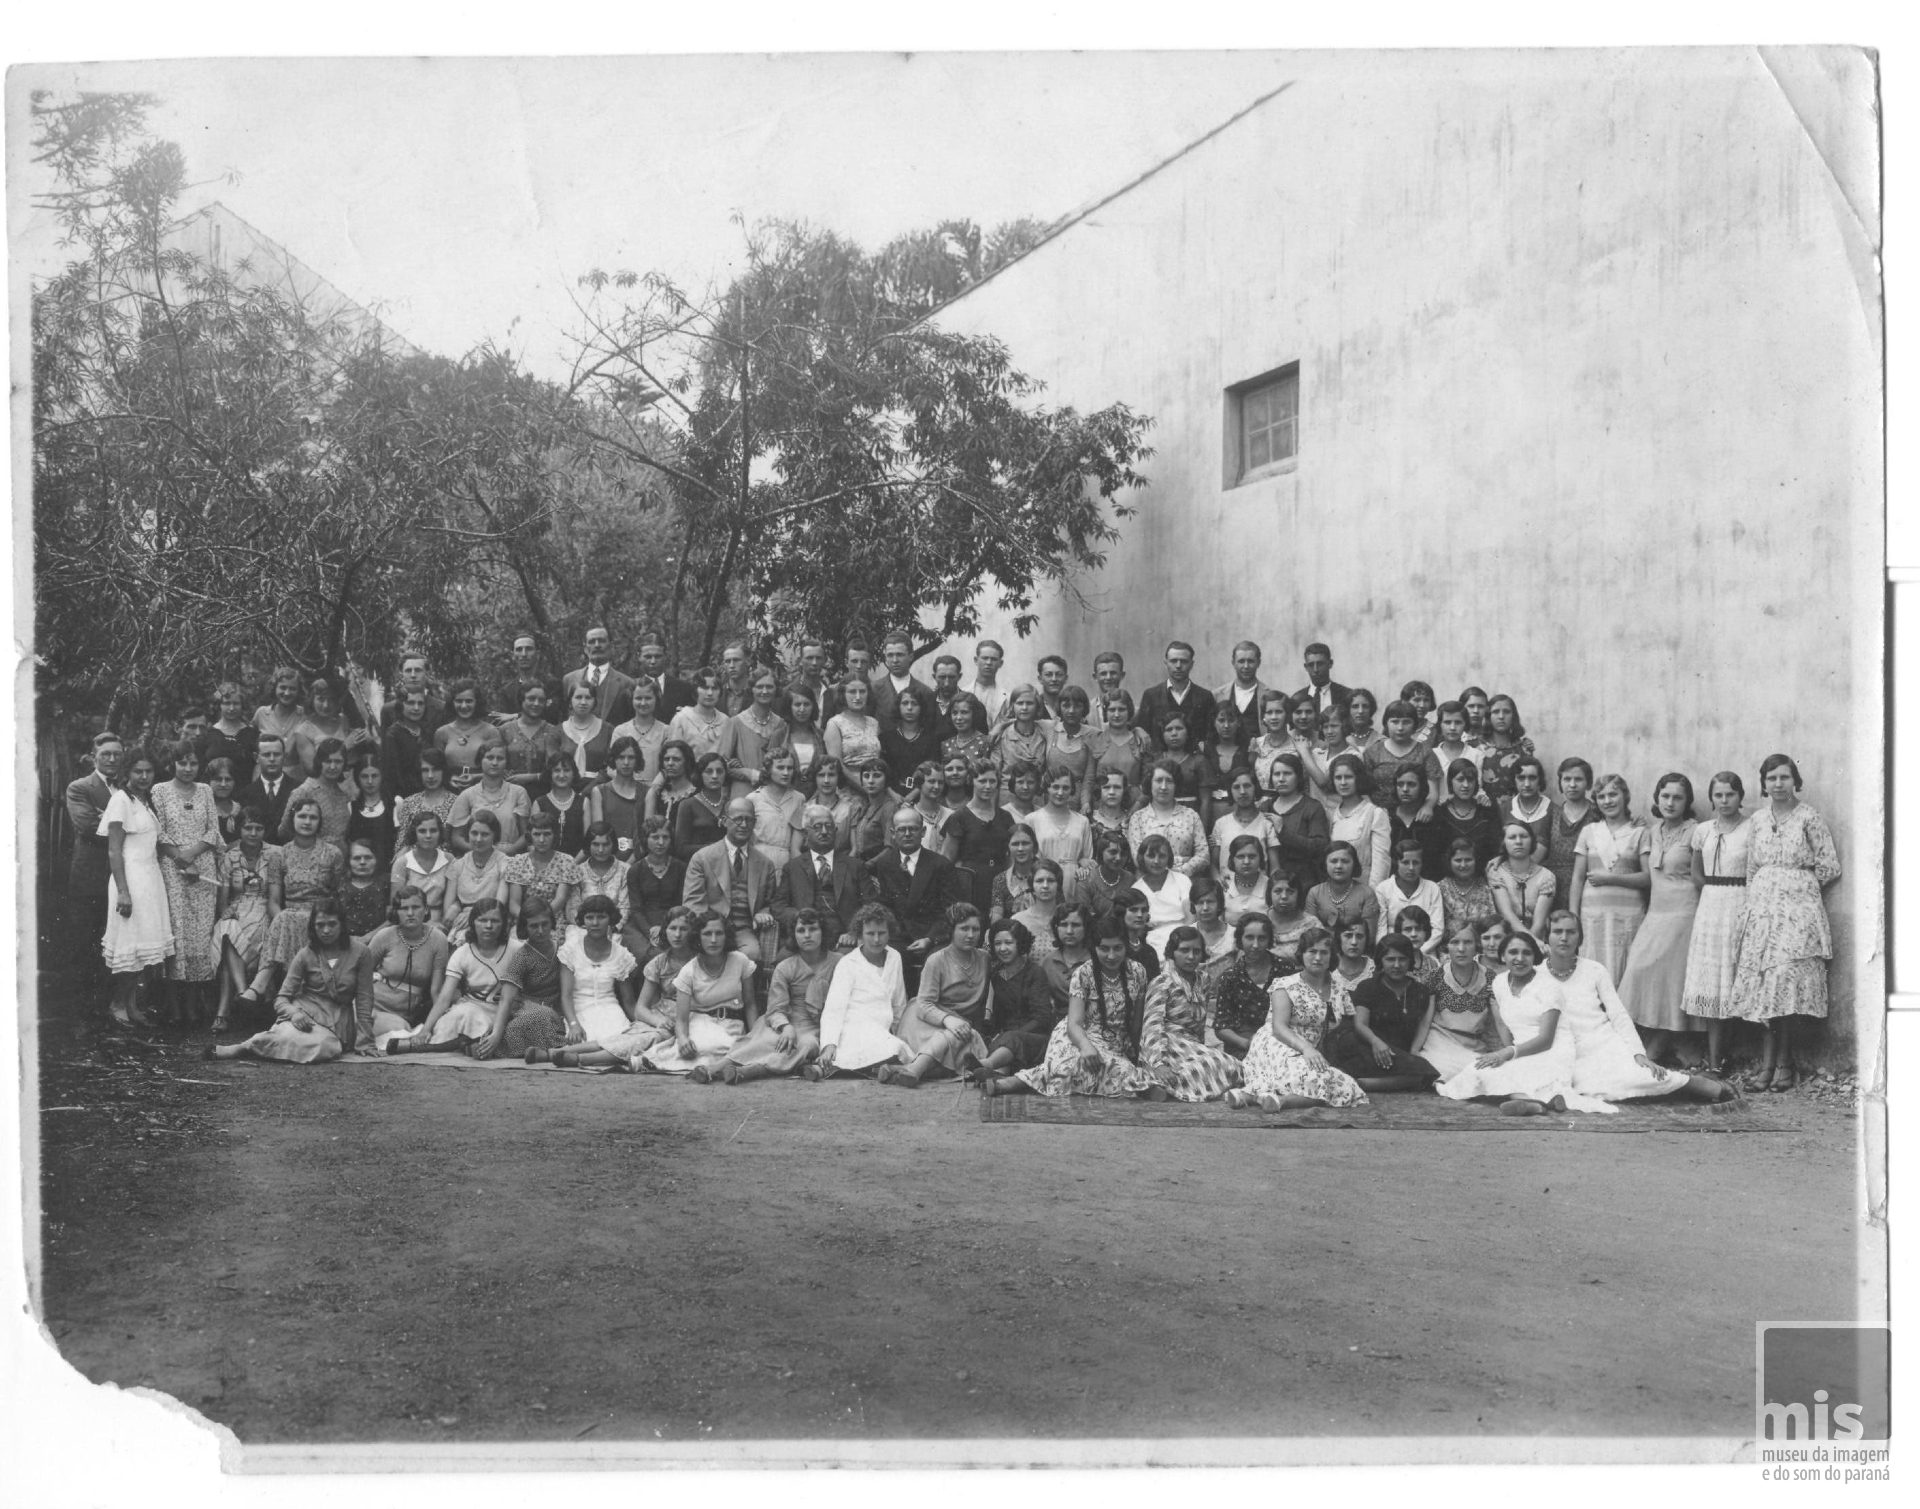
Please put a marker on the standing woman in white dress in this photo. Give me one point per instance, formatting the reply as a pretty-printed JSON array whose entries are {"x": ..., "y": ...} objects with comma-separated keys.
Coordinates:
[
  {"x": 866, "y": 996},
  {"x": 1610, "y": 881},
  {"x": 139, "y": 928},
  {"x": 1720, "y": 873}
]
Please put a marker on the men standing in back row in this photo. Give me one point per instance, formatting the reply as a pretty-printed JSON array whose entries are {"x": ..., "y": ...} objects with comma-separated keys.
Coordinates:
[
  {"x": 1178, "y": 693},
  {"x": 612, "y": 687},
  {"x": 1325, "y": 691},
  {"x": 1243, "y": 691}
]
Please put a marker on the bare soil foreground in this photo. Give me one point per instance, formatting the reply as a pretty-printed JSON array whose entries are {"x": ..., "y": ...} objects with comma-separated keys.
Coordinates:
[{"x": 406, "y": 1254}]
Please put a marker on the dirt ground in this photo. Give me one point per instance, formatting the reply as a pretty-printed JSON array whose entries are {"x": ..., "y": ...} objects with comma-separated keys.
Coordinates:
[{"x": 405, "y": 1254}]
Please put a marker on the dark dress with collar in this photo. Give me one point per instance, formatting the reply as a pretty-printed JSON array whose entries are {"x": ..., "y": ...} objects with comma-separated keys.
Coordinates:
[{"x": 1394, "y": 1020}]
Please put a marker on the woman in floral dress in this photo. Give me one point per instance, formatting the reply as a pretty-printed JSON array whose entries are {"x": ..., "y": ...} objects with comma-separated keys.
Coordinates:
[
  {"x": 1173, "y": 1046},
  {"x": 1095, "y": 1050},
  {"x": 1720, "y": 871},
  {"x": 1241, "y": 995},
  {"x": 1784, "y": 940},
  {"x": 1462, "y": 1027},
  {"x": 310, "y": 868},
  {"x": 1284, "y": 1068},
  {"x": 541, "y": 874},
  {"x": 1507, "y": 745},
  {"x": 188, "y": 843},
  {"x": 1165, "y": 817}
]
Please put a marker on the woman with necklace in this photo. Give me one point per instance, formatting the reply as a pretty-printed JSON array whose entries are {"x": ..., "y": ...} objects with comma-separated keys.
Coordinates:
[
  {"x": 852, "y": 734},
  {"x": 1343, "y": 897},
  {"x": 1463, "y": 1027},
  {"x": 586, "y": 736},
  {"x": 803, "y": 738},
  {"x": 282, "y": 715},
  {"x": 477, "y": 876},
  {"x": 188, "y": 843},
  {"x": 1531, "y": 1072},
  {"x": 1274, "y": 740},
  {"x": 410, "y": 959},
  {"x": 1242, "y": 993},
  {"x": 1193, "y": 783},
  {"x": 430, "y": 794},
  {"x": 1720, "y": 872},
  {"x": 779, "y": 829},
  {"x": 698, "y": 820},
  {"x": 911, "y": 740},
  {"x": 326, "y": 788},
  {"x": 528, "y": 1014},
  {"x": 967, "y": 717},
  {"x": 1106, "y": 875},
  {"x": 700, "y": 727},
  {"x": 1522, "y": 890},
  {"x": 325, "y": 1004},
  {"x": 1284, "y": 1068},
  {"x": 1569, "y": 815},
  {"x": 1164, "y": 817},
  {"x": 1362, "y": 708},
  {"x": 139, "y": 932},
  {"x": 1095, "y": 1049},
  {"x": 1353, "y": 957},
  {"x": 1119, "y": 751},
  {"x": 1173, "y": 1028},
  {"x": 1026, "y": 1008},
  {"x": 1610, "y": 1063},
  {"x": 1063, "y": 835},
  {"x": 492, "y": 793},
  {"x": 1610, "y": 880},
  {"x": 250, "y": 886},
  {"x": 325, "y": 720},
  {"x": 311, "y": 870},
  {"x": 1021, "y": 740},
  {"x": 931, "y": 799},
  {"x": 1654, "y": 982},
  {"x": 370, "y": 819},
  {"x": 1287, "y": 910},
  {"x": 230, "y": 737},
  {"x": 713, "y": 1003},
  {"x": 464, "y": 1009},
  {"x": 788, "y": 1033},
  {"x": 675, "y": 782},
  {"x": 531, "y": 741},
  {"x": 1507, "y": 745},
  {"x": 1400, "y": 748},
  {"x": 618, "y": 801},
  {"x": 1464, "y": 890},
  {"x": 562, "y": 802},
  {"x": 649, "y": 733},
  {"x": 602, "y": 873},
  {"x": 467, "y": 735},
  {"x": 1530, "y": 804},
  {"x": 655, "y": 883},
  {"x": 1464, "y": 815},
  {"x": 976, "y": 835},
  {"x": 597, "y": 997},
  {"x": 1391, "y": 1012},
  {"x": 941, "y": 1025},
  {"x": 1169, "y": 893},
  {"x": 543, "y": 873},
  {"x": 1300, "y": 826},
  {"x": 1784, "y": 940},
  {"x": 1355, "y": 819},
  {"x": 422, "y": 863},
  {"x": 754, "y": 735}
]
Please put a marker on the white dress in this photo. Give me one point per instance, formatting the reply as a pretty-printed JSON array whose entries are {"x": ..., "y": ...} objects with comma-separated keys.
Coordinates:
[
  {"x": 1167, "y": 908},
  {"x": 595, "y": 1005},
  {"x": 1426, "y": 895},
  {"x": 1538, "y": 1076},
  {"x": 1710, "y": 954},
  {"x": 863, "y": 1003},
  {"x": 1605, "y": 1039},
  {"x": 145, "y": 937},
  {"x": 1369, "y": 830},
  {"x": 478, "y": 981}
]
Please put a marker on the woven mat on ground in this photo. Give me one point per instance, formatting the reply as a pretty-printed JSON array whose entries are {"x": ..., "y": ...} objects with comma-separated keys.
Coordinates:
[
  {"x": 459, "y": 1061},
  {"x": 1386, "y": 1113}
]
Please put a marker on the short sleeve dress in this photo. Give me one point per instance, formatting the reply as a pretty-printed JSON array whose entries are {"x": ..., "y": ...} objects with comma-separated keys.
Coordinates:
[
  {"x": 476, "y": 976},
  {"x": 1723, "y": 903},
  {"x": 187, "y": 818},
  {"x": 1784, "y": 938},
  {"x": 1611, "y": 915},
  {"x": 307, "y": 875},
  {"x": 1463, "y": 1026},
  {"x": 718, "y": 1018},
  {"x": 536, "y": 1021},
  {"x": 1173, "y": 1045},
  {"x": 596, "y": 1006},
  {"x": 541, "y": 881},
  {"x": 145, "y": 936},
  {"x": 1274, "y": 1068},
  {"x": 1112, "y": 1008}
]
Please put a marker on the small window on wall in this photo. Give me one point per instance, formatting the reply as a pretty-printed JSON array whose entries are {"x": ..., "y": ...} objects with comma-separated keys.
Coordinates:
[{"x": 1263, "y": 425}]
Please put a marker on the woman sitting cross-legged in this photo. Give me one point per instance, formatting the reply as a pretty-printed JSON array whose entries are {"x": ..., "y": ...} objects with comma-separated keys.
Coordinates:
[
  {"x": 410, "y": 958},
  {"x": 1284, "y": 1068},
  {"x": 788, "y": 1032},
  {"x": 941, "y": 1025},
  {"x": 1173, "y": 1029},
  {"x": 1241, "y": 996},
  {"x": 866, "y": 996},
  {"x": 596, "y": 997},
  {"x": 325, "y": 1005},
  {"x": 713, "y": 1004},
  {"x": 1024, "y": 1014},
  {"x": 1391, "y": 1011},
  {"x": 1532, "y": 1071},
  {"x": 469, "y": 996},
  {"x": 528, "y": 1012},
  {"x": 1463, "y": 1026},
  {"x": 1095, "y": 1050}
]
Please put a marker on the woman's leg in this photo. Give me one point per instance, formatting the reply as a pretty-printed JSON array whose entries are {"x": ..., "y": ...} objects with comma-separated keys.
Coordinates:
[
  {"x": 1007, "y": 1084},
  {"x": 121, "y": 1002},
  {"x": 1716, "y": 1041},
  {"x": 1656, "y": 1041},
  {"x": 910, "y": 1076},
  {"x": 1392, "y": 1084}
]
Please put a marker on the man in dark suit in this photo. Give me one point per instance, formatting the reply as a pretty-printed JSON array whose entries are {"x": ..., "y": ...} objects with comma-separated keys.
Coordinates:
[
  {"x": 1321, "y": 687},
  {"x": 859, "y": 665},
  {"x": 810, "y": 678},
  {"x": 413, "y": 677},
  {"x": 671, "y": 693},
  {"x": 917, "y": 886},
  {"x": 1178, "y": 693},
  {"x": 737, "y": 881},
  {"x": 1243, "y": 691},
  {"x": 896, "y": 655},
  {"x": 505, "y": 697},
  {"x": 612, "y": 687},
  {"x": 87, "y": 875},
  {"x": 826, "y": 878},
  {"x": 271, "y": 786}
]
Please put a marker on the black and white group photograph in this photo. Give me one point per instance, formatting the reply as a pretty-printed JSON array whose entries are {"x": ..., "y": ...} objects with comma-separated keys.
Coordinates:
[{"x": 1017, "y": 758}]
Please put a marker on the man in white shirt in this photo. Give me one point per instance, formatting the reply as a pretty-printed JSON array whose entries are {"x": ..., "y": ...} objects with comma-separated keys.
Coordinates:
[
  {"x": 1244, "y": 690},
  {"x": 1053, "y": 681},
  {"x": 896, "y": 655},
  {"x": 987, "y": 659}
]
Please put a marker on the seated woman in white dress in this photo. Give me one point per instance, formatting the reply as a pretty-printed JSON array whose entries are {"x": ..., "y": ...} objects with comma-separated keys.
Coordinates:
[
  {"x": 865, "y": 998},
  {"x": 713, "y": 1004},
  {"x": 469, "y": 997},
  {"x": 1531, "y": 1072},
  {"x": 1609, "y": 1060},
  {"x": 597, "y": 996}
]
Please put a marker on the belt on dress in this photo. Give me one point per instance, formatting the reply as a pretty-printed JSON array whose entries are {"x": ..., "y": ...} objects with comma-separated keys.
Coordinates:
[{"x": 1726, "y": 880}]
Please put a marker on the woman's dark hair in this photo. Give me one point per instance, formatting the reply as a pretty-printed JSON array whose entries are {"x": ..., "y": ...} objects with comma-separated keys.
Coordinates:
[
  {"x": 711, "y": 757},
  {"x": 420, "y": 815},
  {"x": 962, "y": 912},
  {"x": 1077, "y": 695},
  {"x": 1774, "y": 762},
  {"x": 1418, "y": 772},
  {"x": 1400, "y": 708},
  {"x": 1110, "y": 838},
  {"x": 873, "y": 911},
  {"x": 253, "y": 815},
  {"x": 1395, "y": 943},
  {"x": 218, "y": 765},
  {"x": 326, "y": 906},
  {"x": 601, "y": 829},
  {"x": 1022, "y": 938},
  {"x": 434, "y": 757},
  {"x": 1336, "y": 846},
  {"x": 706, "y": 919},
  {"x": 810, "y": 917},
  {"x": 1081, "y": 910},
  {"x": 1204, "y": 886},
  {"x": 1020, "y": 770},
  {"x": 977, "y": 710},
  {"x": 706, "y": 676},
  {"x": 1563, "y": 915},
  {"x": 1241, "y": 844},
  {"x": 534, "y": 907},
  {"x": 1536, "y": 762},
  {"x": 1154, "y": 842},
  {"x": 621, "y": 745},
  {"x": 177, "y": 749},
  {"x": 1449, "y": 709},
  {"x": 1574, "y": 762},
  {"x": 1111, "y": 927},
  {"x": 1043, "y": 865},
  {"x": 1533, "y": 944},
  {"x": 1294, "y": 763},
  {"x": 1356, "y": 694},
  {"x": 1739, "y": 789},
  {"x": 1182, "y": 935},
  {"x": 1250, "y": 919},
  {"x": 1685, "y": 785},
  {"x": 468, "y": 684},
  {"x": 686, "y": 756},
  {"x": 1463, "y": 767},
  {"x": 541, "y": 818},
  {"x": 597, "y": 904},
  {"x": 325, "y": 750},
  {"x": 484, "y": 816},
  {"x": 1413, "y": 688},
  {"x": 301, "y": 799},
  {"x": 492, "y": 906},
  {"x": 410, "y": 893},
  {"x": 1312, "y": 938},
  {"x": 1351, "y": 761},
  {"x": 1518, "y": 731},
  {"x": 1415, "y": 914},
  {"x": 1462, "y": 846}
]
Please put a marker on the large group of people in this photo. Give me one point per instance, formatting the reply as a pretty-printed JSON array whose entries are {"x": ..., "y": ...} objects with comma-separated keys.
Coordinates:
[{"x": 1231, "y": 893}]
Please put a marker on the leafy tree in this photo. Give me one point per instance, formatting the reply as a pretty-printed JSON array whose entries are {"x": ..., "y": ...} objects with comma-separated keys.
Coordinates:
[{"x": 841, "y": 462}]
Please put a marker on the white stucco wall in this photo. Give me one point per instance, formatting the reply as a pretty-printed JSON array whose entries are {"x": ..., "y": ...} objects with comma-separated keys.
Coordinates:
[{"x": 1590, "y": 407}]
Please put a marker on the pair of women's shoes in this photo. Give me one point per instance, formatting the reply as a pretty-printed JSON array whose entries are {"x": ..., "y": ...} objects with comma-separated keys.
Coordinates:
[{"x": 726, "y": 1074}]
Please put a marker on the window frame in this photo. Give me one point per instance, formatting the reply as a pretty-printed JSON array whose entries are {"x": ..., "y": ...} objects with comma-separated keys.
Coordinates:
[{"x": 1235, "y": 472}]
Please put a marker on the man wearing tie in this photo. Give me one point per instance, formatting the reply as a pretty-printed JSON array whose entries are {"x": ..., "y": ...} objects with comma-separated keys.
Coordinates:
[
  {"x": 87, "y": 800},
  {"x": 612, "y": 687},
  {"x": 917, "y": 886},
  {"x": 1178, "y": 693},
  {"x": 735, "y": 880},
  {"x": 896, "y": 654},
  {"x": 271, "y": 786},
  {"x": 671, "y": 693},
  {"x": 1321, "y": 687},
  {"x": 826, "y": 878}
]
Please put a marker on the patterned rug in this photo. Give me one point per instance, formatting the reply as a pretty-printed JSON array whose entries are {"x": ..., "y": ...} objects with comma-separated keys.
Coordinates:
[{"x": 1386, "y": 1113}]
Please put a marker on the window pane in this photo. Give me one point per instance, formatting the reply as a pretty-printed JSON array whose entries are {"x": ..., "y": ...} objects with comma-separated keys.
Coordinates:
[
  {"x": 1259, "y": 450},
  {"x": 1283, "y": 439}
]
